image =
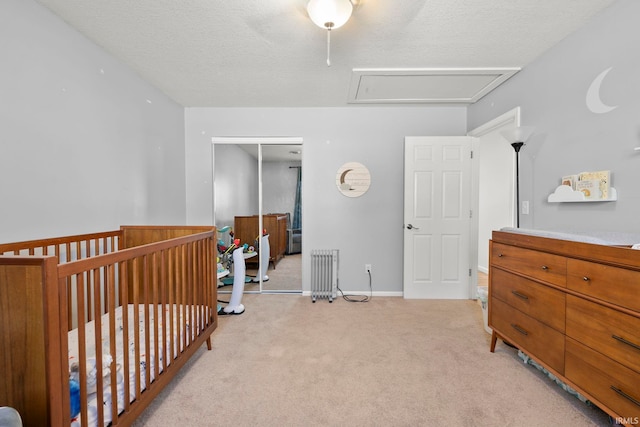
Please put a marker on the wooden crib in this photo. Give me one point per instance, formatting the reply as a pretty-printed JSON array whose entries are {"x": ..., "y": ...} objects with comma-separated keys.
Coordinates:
[{"x": 107, "y": 317}]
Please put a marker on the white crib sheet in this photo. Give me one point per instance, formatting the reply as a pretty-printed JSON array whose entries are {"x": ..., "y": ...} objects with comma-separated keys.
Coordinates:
[{"x": 93, "y": 371}]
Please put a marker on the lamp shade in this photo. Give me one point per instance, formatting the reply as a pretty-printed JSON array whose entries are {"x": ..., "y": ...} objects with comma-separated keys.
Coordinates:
[
  {"x": 329, "y": 14},
  {"x": 518, "y": 134}
]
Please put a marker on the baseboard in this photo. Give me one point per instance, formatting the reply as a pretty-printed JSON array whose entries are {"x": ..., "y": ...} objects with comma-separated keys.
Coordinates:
[
  {"x": 367, "y": 293},
  {"x": 483, "y": 270}
]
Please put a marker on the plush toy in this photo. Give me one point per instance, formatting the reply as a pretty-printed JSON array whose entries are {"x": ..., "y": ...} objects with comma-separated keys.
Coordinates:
[{"x": 74, "y": 389}]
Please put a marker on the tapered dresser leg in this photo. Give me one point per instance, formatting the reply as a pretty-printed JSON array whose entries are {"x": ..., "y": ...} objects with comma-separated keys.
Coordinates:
[{"x": 494, "y": 339}]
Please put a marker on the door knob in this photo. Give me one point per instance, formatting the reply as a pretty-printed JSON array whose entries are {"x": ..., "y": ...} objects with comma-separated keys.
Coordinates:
[{"x": 411, "y": 227}]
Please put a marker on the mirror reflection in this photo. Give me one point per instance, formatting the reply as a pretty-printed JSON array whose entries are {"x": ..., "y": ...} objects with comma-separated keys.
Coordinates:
[{"x": 236, "y": 201}]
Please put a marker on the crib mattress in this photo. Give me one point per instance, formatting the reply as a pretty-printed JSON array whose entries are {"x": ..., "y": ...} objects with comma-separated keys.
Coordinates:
[{"x": 145, "y": 356}]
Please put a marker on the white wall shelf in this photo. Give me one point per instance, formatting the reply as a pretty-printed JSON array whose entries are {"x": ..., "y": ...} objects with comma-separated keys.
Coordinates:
[{"x": 565, "y": 193}]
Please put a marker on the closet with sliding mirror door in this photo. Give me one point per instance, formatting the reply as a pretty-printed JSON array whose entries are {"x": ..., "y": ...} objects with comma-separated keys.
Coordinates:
[{"x": 257, "y": 185}]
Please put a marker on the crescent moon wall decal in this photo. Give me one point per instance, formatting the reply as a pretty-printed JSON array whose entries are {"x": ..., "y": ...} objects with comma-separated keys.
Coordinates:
[
  {"x": 344, "y": 174},
  {"x": 594, "y": 102},
  {"x": 353, "y": 179}
]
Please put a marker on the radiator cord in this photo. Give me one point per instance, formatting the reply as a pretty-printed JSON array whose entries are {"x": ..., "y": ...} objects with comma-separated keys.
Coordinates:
[{"x": 364, "y": 298}]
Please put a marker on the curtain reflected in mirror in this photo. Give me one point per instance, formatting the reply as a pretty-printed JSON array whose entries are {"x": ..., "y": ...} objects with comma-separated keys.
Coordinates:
[{"x": 236, "y": 209}]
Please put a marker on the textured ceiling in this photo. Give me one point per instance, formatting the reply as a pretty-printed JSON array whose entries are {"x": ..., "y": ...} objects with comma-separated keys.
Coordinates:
[{"x": 267, "y": 53}]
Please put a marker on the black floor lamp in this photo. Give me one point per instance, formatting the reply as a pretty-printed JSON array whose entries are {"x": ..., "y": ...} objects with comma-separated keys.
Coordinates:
[{"x": 517, "y": 137}]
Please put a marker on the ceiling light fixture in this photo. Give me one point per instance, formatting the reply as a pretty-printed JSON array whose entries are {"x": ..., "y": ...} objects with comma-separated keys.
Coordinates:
[{"x": 330, "y": 14}]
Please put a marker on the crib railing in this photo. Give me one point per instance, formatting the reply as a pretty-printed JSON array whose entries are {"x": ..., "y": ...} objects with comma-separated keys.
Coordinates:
[
  {"x": 170, "y": 287},
  {"x": 82, "y": 246},
  {"x": 68, "y": 248},
  {"x": 42, "y": 298}
]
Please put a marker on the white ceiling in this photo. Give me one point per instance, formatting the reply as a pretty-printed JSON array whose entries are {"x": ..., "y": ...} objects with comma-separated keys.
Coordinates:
[{"x": 267, "y": 53}]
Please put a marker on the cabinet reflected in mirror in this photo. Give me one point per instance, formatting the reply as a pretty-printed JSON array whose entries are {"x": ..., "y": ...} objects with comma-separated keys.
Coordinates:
[{"x": 238, "y": 170}]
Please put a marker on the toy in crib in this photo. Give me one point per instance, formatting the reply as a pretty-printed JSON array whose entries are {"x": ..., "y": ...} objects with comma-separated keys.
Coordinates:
[{"x": 74, "y": 390}]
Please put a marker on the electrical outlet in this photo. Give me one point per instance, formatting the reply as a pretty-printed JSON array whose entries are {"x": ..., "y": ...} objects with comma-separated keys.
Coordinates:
[
  {"x": 525, "y": 207},
  {"x": 367, "y": 268}
]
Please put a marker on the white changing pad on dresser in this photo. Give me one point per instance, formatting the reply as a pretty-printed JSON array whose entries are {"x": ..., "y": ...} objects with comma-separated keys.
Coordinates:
[{"x": 609, "y": 238}]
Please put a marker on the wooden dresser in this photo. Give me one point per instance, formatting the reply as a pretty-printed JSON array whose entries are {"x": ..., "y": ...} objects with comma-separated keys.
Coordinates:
[
  {"x": 574, "y": 308},
  {"x": 245, "y": 228}
]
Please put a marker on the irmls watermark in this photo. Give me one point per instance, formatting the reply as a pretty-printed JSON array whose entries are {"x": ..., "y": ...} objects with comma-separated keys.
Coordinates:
[{"x": 628, "y": 421}]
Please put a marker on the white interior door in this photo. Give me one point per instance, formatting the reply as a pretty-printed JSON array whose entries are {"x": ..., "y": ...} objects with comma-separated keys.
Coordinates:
[{"x": 437, "y": 211}]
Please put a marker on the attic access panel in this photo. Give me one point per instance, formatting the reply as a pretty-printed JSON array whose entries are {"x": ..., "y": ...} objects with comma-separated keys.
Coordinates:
[{"x": 426, "y": 85}]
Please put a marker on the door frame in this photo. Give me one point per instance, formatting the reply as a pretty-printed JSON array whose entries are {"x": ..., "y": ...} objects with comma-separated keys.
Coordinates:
[
  {"x": 511, "y": 117},
  {"x": 464, "y": 212},
  {"x": 259, "y": 141}
]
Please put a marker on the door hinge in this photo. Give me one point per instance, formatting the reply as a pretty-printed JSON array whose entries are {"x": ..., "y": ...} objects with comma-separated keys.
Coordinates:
[
  {"x": 470, "y": 214},
  {"x": 469, "y": 272},
  {"x": 472, "y": 154}
]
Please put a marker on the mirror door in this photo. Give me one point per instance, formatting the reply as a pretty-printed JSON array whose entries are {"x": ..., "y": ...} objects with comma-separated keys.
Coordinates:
[
  {"x": 282, "y": 209},
  {"x": 257, "y": 186},
  {"x": 235, "y": 208}
]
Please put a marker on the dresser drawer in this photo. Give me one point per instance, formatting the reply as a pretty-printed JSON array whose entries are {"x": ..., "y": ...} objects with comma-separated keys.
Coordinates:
[
  {"x": 614, "y": 385},
  {"x": 538, "y": 265},
  {"x": 616, "y": 285},
  {"x": 538, "y": 301},
  {"x": 530, "y": 335},
  {"x": 608, "y": 331}
]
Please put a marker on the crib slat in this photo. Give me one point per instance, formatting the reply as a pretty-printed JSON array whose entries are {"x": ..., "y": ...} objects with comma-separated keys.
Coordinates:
[
  {"x": 186, "y": 303},
  {"x": 172, "y": 272},
  {"x": 183, "y": 298},
  {"x": 82, "y": 350},
  {"x": 157, "y": 310},
  {"x": 124, "y": 296},
  {"x": 147, "y": 337},
  {"x": 136, "y": 326},
  {"x": 163, "y": 292},
  {"x": 68, "y": 287},
  {"x": 113, "y": 373},
  {"x": 199, "y": 279},
  {"x": 95, "y": 274},
  {"x": 63, "y": 298},
  {"x": 89, "y": 296},
  {"x": 88, "y": 289}
]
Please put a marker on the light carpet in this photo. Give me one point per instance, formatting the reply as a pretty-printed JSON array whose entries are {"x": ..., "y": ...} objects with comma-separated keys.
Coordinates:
[
  {"x": 289, "y": 362},
  {"x": 285, "y": 277}
]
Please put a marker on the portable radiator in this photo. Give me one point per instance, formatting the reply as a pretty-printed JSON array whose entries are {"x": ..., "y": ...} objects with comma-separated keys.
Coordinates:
[{"x": 324, "y": 274}]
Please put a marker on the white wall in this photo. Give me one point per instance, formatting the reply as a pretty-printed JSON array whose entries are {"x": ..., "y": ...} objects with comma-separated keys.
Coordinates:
[
  {"x": 495, "y": 191},
  {"x": 236, "y": 184},
  {"x": 569, "y": 137},
  {"x": 85, "y": 144},
  {"x": 279, "y": 183},
  {"x": 366, "y": 229}
]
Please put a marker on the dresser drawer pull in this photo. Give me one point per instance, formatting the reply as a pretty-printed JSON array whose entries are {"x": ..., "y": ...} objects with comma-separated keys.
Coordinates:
[
  {"x": 519, "y": 295},
  {"x": 500, "y": 255},
  {"x": 625, "y": 395},
  {"x": 544, "y": 267},
  {"x": 629, "y": 343},
  {"x": 586, "y": 279},
  {"x": 519, "y": 329}
]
